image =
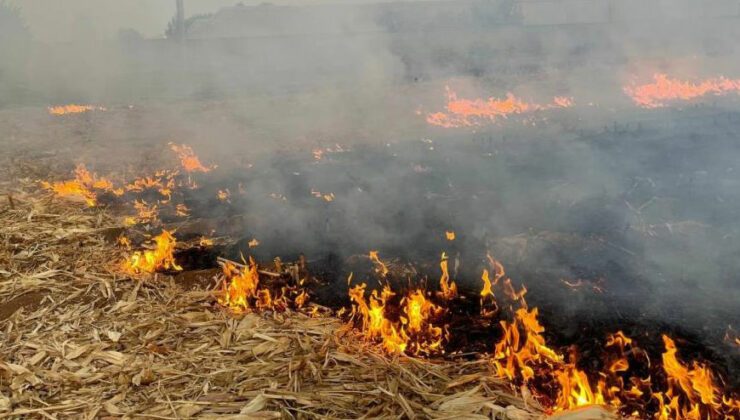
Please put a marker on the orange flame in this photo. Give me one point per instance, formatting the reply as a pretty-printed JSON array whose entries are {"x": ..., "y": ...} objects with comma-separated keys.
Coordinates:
[
  {"x": 242, "y": 286},
  {"x": 665, "y": 89},
  {"x": 162, "y": 181},
  {"x": 223, "y": 195},
  {"x": 476, "y": 112},
  {"x": 188, "y": 159},
  {"x": 690, "y": 389},
  {"x": 82, "y": 186},
  {"x": 146, "y": 213},
  {"x": 380, "y": 267},
  {"x": 414, "y": 333},
  {"x": 73, "y": 109},
  {"x": 243, "y": 290},
  {"x": 151, "y": 260},
  {"x": 448, "y": 289},
  {"x": 326, "y": 197}
]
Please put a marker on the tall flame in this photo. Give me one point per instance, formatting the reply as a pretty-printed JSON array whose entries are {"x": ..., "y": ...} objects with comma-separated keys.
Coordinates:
[{"x": 447, "y": 288}]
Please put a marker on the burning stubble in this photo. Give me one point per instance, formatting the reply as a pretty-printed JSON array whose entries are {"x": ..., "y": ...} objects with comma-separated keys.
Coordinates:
[{"x": 366, "y": 165}]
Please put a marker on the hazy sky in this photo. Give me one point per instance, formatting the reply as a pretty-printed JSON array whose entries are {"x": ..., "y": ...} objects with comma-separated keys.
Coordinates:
[{"x": 62, "y": 21}]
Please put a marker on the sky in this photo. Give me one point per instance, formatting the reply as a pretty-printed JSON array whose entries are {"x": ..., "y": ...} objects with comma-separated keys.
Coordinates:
[{"x": 55, "y": 21}]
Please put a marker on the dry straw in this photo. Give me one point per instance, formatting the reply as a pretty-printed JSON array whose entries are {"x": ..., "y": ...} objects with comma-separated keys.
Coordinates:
[{"x": 78, "y": 339}]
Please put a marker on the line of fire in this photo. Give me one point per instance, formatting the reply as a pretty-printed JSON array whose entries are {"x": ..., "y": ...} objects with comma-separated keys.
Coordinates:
[{"x": 479, "y": 209}]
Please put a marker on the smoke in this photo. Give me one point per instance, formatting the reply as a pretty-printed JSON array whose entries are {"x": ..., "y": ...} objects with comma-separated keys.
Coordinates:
[{"x": 641, "y": 203}]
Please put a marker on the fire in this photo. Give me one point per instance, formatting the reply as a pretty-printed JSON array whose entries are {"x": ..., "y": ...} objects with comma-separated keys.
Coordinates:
[
  {"x": 73, "y": 189},
  {"x": 241, "y": 292},
  {"x": 146, "y": 213},
  {"x": 575, "y": 390},
  {"x": 182, "y": 210},
  {"x": 253, "y": 243},
  {"x": 414, "y": 332},
  {"x": 665, "y": 89},
  {"x": 73, "y": 109},
  {"x": 691, "y": 390},
  {"x": 162, "y": 181},
  {"x": 488, "y": 305},
  {"x": 380, "y": 267},
  {"x": 188, "y": 159},
  {"x": 160, "y": 258},
  {"x": 522, "y": 354},
  {"x": 448, "y": 289},
  {"x": 82, "y": 186},
  {"x": 522, "y": 347},
  {"x": 244, "y": 291},
  {"x": 476, "y": 112},
  {"x": 450, "y": 235},
  {"x": 326, "y": 197},
  {"x": 223, "y": 195},
  {"x": 124, "y": 241}
]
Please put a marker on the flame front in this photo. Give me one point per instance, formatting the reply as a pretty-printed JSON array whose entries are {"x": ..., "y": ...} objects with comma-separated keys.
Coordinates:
[
  {"x": 73, "y": 109},
  {"x": 82, "y": 186},
  {"x": 665, "y": 89},
  {"x": 476, "y": 112}
]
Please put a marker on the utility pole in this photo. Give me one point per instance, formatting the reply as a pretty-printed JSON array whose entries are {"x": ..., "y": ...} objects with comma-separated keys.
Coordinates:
[{"x": 180, "y": 20}]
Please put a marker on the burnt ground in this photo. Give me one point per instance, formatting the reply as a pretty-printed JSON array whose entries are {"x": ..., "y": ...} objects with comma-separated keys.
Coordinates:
[{"x": 641, "y": 215}]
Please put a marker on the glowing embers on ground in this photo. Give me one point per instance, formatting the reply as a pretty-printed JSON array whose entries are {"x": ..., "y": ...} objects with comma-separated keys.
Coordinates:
[
  {"x": 664, "y": 90},
  {"x": 476, "y": 112},
  {"x": 159, "y": 258},
  {"x": 73, "y": 109}
]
